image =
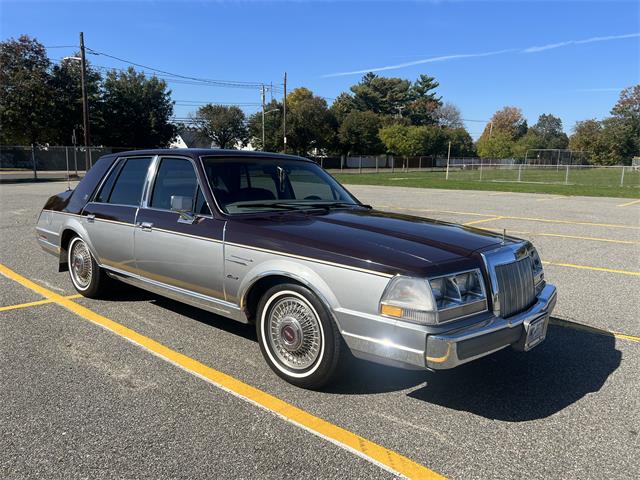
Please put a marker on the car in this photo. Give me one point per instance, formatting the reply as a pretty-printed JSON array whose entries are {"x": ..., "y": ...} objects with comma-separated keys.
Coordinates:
[{"x": 274, "y": 240}]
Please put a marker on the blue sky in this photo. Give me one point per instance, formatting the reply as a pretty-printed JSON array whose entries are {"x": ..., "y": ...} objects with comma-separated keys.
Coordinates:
[{"x": 569, "y": 58}]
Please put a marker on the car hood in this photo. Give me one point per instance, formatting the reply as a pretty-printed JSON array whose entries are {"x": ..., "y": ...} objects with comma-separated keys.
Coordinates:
[{"x": 371, "y": 239}]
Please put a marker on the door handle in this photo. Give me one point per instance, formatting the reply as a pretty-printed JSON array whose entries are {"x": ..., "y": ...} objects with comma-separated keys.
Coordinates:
[
  {"x": 146, "y": 226},
  {"x": 91, "y": 217}
]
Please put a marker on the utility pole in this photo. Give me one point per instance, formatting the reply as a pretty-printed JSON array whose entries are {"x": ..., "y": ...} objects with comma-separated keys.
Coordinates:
[
  {"x": 284, "y": 113},
  {"x": 85, "y": 104},
  {"x": 448, "y": 159},
  {"x": 263, "y": 147}
]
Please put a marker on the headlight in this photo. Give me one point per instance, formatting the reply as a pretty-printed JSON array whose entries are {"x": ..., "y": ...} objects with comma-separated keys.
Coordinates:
[
  {"x": 538, "y": 272},
  {"x": 410, "y": 299},
  {"x": 435, "y": 300}
]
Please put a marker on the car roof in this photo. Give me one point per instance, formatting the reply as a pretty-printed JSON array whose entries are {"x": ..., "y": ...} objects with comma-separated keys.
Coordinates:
[{"x": 212, "y": 152}]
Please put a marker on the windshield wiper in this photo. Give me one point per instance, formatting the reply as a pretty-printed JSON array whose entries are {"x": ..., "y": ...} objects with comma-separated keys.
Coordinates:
[{"x": 284, "y": 206}]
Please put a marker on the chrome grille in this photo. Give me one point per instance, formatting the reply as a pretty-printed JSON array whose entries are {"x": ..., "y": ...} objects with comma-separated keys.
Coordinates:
[{"x": 515, "y": 286}]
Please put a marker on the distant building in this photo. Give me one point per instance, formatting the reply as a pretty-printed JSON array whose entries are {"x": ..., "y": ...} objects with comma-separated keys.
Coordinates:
[{"x": 192, "y": 138}]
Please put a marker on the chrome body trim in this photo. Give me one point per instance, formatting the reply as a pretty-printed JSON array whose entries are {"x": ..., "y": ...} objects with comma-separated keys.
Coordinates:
[
  {"x": 211, "y": 304},
  {"x": 442, "y": 350}
]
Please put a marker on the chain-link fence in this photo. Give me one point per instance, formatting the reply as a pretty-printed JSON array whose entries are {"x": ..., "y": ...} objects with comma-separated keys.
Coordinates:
[{"x": 20, "y": 163}]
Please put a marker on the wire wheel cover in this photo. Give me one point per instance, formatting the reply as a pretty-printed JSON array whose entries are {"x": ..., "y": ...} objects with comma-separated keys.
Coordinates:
[
  {"x": 81, "y": 265},
  {"x": 294, "y": 333}
]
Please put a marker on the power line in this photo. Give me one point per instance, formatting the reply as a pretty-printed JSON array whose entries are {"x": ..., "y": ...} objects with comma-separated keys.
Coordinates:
[{"x": 221, "y": 83}]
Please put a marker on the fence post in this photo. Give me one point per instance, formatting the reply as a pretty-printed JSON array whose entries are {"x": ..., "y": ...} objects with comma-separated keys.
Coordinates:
[
  {"x": 33, "y": 161},
  {"x": 420, "y": 164},
  {"x": 376, "y": 163},
  {"x": 566, "y": 176},
  {"x": 75, "y": 158},
  {"x": 341, "y": 162},
  {"x": 393, "y": 164},
  {"x": 519, "y": 172},
  {"x": 66, "y": 152},
  {"x": 360, "y": 164},
  {"x": 321, "y": 162},
  {"x": 622, "y": 177}
]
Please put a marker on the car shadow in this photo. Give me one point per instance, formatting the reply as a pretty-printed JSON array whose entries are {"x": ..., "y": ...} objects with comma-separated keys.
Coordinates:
[{"x": 508, "y": 385}]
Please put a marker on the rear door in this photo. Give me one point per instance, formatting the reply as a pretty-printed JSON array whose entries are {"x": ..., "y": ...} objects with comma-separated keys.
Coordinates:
[
  {"x": 110, "y": 216},
  {"x": 177, "y": 241}
]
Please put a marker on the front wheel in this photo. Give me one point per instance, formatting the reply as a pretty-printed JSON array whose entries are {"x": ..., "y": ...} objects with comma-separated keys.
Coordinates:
[
  {"x": 297, "y": 336},
  {"x": 87, "y": 277}
]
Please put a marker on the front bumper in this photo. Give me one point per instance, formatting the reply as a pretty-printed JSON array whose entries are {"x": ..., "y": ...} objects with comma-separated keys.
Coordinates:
[
  {"x": 460, "y": 346},
  {"x": 408, "y": 345}
]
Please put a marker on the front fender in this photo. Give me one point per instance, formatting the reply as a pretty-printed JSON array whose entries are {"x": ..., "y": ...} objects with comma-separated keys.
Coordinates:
[{"x": 292, "y": 269}]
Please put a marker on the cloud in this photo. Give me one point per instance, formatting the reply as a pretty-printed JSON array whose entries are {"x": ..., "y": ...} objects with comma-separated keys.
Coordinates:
[{"x": 446, "y": 58}]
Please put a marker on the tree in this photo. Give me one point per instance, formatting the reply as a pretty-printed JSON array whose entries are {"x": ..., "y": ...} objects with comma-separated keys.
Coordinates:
[
  {"x": 461, "y": 142},
  {"x": 224, "y": 125},
  {"x": 499, "y": 136},
  {"x": 310, "y": 124},
  {"x": 387, "y": 96},
  {"x": 413, "y": 140},
  {"x": 548, "y": 129},
  {"x": 272, "y": 128},
  {"x": 587, "y": 138},
  {"x": 498, "y": 145},
  {"x": 342, "y": 106},
  {"x": 622, "y": 130},
  {"x": 423, "y": 101},
  {"x": 137, "y": 110},
  {"x": 65, "y": 82},
  {"x": 358, "y": 133},
  {"x": 25, "y": 95},
  {"x": 448, "y": 115}
]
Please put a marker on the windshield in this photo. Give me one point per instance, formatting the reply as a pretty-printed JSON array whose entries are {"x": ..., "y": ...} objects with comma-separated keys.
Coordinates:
[{"x": 246, "y": 185}]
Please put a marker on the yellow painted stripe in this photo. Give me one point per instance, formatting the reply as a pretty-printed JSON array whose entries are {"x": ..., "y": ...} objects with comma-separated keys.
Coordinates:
[
  {"x": 635, "y": 202},
  {"x": 576, "y": 237},
  {"x": 385, "y": 458},
  {"x": 587, "y": 328},
  {"x": 511, "y": 217},
  {"x": 597, "y": 269},
  {"x": 475, "y": 222},
  {"x": 35, "y": 304}
]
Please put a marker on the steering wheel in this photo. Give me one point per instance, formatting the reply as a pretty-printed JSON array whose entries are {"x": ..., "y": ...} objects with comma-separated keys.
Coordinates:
[{"x": 312, "y": 197}]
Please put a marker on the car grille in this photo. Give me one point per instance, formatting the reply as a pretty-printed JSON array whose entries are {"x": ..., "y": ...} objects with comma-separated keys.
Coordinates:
[{"x": 515, "y": 286}]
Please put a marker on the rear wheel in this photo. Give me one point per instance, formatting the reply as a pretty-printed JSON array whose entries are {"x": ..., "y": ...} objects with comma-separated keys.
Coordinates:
[
  {"x": 87, "y": 277},
  {"x": 297, "y": 336}
]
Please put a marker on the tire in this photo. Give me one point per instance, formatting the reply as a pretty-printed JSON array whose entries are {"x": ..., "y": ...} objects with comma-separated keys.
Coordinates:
[
  {"x": 298, "y": 338},
  {"x": 87, "y": 277}
]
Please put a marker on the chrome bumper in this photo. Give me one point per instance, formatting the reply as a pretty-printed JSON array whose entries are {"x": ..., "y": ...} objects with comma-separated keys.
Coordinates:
[{"x": 460, "y": 346}]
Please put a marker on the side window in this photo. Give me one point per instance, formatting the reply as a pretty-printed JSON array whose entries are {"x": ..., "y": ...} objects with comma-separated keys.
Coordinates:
[
  {"x": 107, "y": 186},
  {"x": 124, "y": 185},
  {"x": 176, "y": 178},
  {"x": 201, "y": 207}
]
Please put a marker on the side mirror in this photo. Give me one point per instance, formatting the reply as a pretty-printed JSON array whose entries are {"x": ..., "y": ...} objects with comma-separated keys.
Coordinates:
[{"x": 180, "y": 203}]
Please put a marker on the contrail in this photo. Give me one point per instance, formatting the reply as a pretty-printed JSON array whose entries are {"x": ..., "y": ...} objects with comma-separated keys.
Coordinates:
[
  {"x": 551, "y": 46},
  {"x": 446, "y": 58}
]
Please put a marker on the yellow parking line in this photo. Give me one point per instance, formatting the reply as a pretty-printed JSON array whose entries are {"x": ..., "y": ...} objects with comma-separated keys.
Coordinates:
[
  {"x": 576, "y": 237},
  {"x": 511, "y": 217},
  {"x": 377, "y": 454},
  {"x": 598, "y": 269},
  {"x": 34, "y": 304},
  {"x": 483, "y": 220},
  {"x": 587, "y": 328},
  {"x": 629, "y": 203}
]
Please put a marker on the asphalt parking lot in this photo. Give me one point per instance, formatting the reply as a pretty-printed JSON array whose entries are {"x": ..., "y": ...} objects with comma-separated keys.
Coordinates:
[{"x": 79, "y": 400}]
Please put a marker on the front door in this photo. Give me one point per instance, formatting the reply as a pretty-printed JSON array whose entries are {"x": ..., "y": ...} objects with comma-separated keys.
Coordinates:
[
  {"x": 177, "y": 242},
  {"x": 110, "y": 217}
]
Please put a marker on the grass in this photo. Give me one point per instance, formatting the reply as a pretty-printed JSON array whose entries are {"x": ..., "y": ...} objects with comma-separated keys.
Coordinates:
[{"x": 593, "y": 182}]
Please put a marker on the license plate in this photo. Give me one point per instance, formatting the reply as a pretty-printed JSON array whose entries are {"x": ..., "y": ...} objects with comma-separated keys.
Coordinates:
[{"x": 536, "y": 332}]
